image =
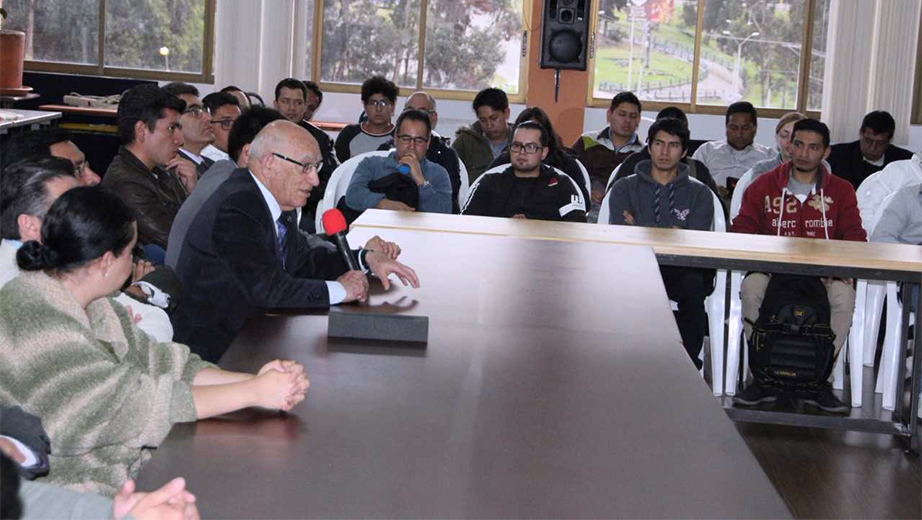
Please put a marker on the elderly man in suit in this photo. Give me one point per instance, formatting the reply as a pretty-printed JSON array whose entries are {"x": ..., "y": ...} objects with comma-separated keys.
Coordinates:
[{"x": 244, "y": 254}]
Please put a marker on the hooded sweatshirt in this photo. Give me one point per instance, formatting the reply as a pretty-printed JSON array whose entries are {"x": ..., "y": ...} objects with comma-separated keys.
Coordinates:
[
  {"x": 474, "y": 149},
  {"x": 681, "y": 203},
  {"x": 830, "y": 211}
]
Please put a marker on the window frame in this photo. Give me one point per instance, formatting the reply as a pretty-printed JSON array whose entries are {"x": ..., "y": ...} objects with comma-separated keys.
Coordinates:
[
  {"x": 438, "y": 93},
  {"x": 100, "y": 69},
  {"x": 916, "y": 115},
  {"x": 692, "y": 107}
]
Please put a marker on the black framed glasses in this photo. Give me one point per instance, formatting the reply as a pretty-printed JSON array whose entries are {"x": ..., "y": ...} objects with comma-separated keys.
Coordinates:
[
  {"x": 197, "y": 111},
  {"x": 407, "y": 139},
  {"x": 528, "y": 148},
  {"x": 305, "y": 167},
  {"x": 226, "y": 124},
  {"x": 378, "y": 103}
]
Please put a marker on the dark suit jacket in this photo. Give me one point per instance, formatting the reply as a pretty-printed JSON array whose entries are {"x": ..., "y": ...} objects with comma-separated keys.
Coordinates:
[
  {"x": 200, "y": 168},
  {"x": 846, "y": 161},
  {"x": 230, "y": 270}
]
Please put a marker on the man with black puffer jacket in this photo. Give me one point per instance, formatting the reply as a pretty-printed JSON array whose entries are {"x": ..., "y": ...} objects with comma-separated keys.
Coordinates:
[
  {"x": 801, "y": 198},
  {"x": 660, "y": 194},
  {"x": 527, "y": 189}
]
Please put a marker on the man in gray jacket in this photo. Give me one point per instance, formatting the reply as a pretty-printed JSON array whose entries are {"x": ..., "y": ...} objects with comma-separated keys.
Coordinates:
[
  {"x": 426, "y": 184},
  {"x": 660, "y": 194},
  {"x": 901, "y": 223}
]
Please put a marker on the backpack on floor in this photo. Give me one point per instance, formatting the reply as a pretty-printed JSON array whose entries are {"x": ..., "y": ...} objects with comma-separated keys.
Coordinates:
[{"x": 791, "y": 347}]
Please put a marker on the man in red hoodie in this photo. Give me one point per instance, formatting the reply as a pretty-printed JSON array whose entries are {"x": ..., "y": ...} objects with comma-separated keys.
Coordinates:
[{"x": 801, "y": 198}]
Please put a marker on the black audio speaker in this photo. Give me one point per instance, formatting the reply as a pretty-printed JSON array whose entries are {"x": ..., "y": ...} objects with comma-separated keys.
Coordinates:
[{"x": 565, "y": 34}]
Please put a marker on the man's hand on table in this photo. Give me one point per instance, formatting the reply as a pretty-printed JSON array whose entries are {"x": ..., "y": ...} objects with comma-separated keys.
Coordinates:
[
  {"x": 379, "y": 245},
  {"x": 382, "y": 267},
  {"x": 356, "y": 285}
]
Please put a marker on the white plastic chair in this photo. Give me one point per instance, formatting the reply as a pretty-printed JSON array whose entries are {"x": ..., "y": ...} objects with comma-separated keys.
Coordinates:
[
  {"x": 465, "y": 183},
  {"x": 889, "y": 361},
  {"x": 587, "y": 182},
  {"x": 714, "y": 304},
  {"x": 339, "y": 183},
  {"x": 501, "y": 168}
]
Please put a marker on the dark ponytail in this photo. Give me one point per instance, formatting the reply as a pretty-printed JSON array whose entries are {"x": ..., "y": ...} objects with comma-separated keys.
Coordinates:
[{"x": 81, "y": 226}]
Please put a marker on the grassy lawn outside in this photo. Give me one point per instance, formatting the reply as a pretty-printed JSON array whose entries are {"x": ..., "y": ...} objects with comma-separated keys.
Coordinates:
[{"x": 612, "y": 67}]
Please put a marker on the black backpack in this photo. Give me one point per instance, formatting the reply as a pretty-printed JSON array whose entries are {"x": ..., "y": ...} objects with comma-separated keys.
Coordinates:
[{"x": 791, "y": 347}]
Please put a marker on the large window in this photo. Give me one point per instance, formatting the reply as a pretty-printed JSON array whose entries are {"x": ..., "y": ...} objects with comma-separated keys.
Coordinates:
[
  {"x": 706, "y": 54},
  {"x": 459, "y": 46},
  {"x": 158, "y": 39}
]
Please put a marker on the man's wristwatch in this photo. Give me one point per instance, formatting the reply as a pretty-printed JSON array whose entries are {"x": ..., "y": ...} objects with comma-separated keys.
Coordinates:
[{"x": 363, "y": 253}]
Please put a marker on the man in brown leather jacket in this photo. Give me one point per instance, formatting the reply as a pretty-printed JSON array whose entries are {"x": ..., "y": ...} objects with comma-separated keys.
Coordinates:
[{"x": 147, "y": 173}]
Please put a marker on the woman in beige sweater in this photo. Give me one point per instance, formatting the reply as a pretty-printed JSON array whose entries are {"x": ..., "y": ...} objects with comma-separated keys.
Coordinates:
[{"x": 105, "y": 391}]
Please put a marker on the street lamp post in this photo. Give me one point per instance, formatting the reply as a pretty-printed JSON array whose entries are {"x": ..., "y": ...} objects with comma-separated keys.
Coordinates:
[
  {"x": 739, "y": 53},
  {"x": 165, "y": 52}
]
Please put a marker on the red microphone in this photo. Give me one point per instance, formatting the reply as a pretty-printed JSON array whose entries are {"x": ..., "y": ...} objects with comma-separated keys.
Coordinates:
[{"x": 334, "y": 225}]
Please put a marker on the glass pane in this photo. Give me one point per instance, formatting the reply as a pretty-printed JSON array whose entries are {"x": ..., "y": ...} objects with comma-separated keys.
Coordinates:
[
  {"x": 155, "y": 34},
  {"x": 363, "y": 38},
  {"x": 309, "y": 36},
  {"x": 751, "y": 51},
  {"x": 472, "y": 45},
  {"x": 646, "y": 47},
  {"x": 57, "y": 31},
  {"x": 818, "y": 59}
]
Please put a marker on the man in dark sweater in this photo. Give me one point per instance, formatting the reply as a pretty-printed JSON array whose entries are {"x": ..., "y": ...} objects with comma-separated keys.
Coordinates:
[
  {"x": 857, "y": 160},
  {"x": 660, "y": 194},
  {"x": 527, "y": 189}
]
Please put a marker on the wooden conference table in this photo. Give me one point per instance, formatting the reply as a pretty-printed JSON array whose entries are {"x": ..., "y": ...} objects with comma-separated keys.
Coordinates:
[
  {"x": 546, "y": 390},
  {"x": 877, "y": 261}
]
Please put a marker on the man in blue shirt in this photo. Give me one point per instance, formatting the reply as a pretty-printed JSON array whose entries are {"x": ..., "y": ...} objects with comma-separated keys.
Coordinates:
[{"x": 404, "y": 180}]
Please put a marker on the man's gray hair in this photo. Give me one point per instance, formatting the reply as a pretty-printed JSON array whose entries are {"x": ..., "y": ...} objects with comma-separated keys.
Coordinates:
[{"x": 429, "y": 99}]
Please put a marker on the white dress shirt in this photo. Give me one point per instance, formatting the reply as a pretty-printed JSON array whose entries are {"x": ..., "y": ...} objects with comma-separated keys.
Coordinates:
[{"x": 724, "y": 161}]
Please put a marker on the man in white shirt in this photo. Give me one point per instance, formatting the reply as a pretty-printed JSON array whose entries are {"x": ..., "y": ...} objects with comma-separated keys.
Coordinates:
[
  {"x": 730, "y": 158},
  {"x": 224, "y": 109},
  {"x": 197, "y": 132}
]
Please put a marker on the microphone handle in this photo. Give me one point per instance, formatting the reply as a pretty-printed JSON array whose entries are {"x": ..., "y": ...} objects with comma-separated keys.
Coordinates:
[{"x": 342, "y": 245}]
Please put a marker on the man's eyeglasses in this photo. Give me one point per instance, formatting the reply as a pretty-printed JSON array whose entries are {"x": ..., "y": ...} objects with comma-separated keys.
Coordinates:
[
  {"x": 378, "y": 103},
  {"x": 407, "y": 139},
  {"x": 197, "y": 111},
  {"x": 305, "y": 167},
  {"x": 226, "y": 124},
  {"x": 528, "y": 148}
]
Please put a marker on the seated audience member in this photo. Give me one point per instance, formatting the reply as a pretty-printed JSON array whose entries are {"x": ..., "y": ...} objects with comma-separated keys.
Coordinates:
[
  {"x": 241, "y": 135},
  {"x": 557, "y": 156},
  {"x": 875, "y": 188},
  {"x": 728, "y": 159},
  {"x": 29, "y": 187},
  {"x": 23, "y": 439},
  {"x": 439, "y": 152},
  {"x": 25, "y": 446},
  {"x": 528, "y": 189},
  {"x": 784, "y": 131},
  {"x": 801, "y": 198},
  {"x": 224, "y": 110},
  {"x": 241, "y": 96},
  {"x": 378, "y": 97},
  {"x": 696, "y": 169},
  {"x": 242, "y": 255},
  {"x": 482, "y": 142},
  {"x": 148, "y": 174},
  {"x": 56, "y": 142},
  {"x": 856, "y": 160},
  {"x": 379, "y": 183},
  {"x": 57, "y": 315},
  {"x": 660, "y": 194},
  {"x": 297, "y": 101},
  {"x": 197, "y": 131},
  {"x": 901, "y": 223},
  {"x": 601, "y": 151}
]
